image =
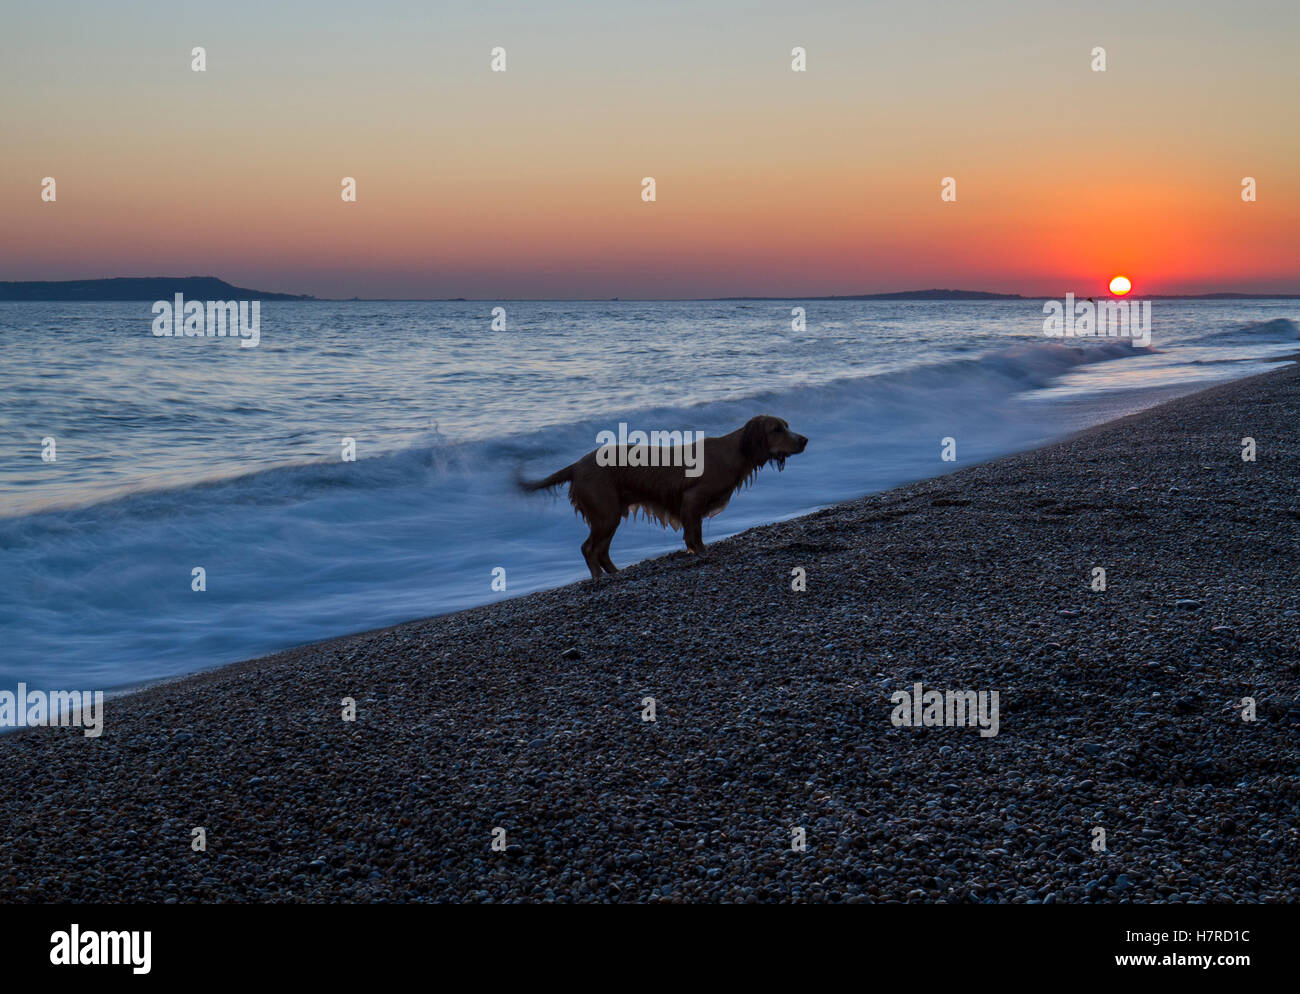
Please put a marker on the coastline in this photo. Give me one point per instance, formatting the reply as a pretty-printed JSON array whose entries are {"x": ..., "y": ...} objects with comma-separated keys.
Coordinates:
[{"x": 773, "y": 711}]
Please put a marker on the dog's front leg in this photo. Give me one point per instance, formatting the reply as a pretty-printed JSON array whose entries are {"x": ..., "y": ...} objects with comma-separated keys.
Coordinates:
[{"x": 693, "y": 522}]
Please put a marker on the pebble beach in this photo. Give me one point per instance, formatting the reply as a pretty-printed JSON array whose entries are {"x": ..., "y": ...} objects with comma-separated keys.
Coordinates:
[{"x": 502, "y": 754}]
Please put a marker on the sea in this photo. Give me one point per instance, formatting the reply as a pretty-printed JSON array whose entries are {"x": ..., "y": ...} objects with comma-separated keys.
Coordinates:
[{"x": 355, "y": 469}]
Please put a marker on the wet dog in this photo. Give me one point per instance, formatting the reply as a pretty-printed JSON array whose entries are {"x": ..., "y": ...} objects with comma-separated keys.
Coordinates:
[{"x": 610, "y": 483}]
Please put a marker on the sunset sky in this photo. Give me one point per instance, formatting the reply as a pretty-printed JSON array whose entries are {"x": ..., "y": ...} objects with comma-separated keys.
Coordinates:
[{"x": 527, "y": 183}]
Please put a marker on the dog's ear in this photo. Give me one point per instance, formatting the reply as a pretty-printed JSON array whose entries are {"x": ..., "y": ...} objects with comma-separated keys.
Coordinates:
[{"x": 753, "y": 441}]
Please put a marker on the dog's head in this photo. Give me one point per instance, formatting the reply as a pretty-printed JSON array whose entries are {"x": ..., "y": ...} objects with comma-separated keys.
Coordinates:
[{"x": 768, "y": 439}]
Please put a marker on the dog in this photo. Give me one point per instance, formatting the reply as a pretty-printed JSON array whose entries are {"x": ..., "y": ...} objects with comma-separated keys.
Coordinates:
[{"x": 604, "y": 495}]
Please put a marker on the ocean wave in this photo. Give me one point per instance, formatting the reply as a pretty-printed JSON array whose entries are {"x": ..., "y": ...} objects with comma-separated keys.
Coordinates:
[
  {"x": 101, "y": 595},
  {"x": 1274, "y": 331},
  {"x": 1000, "y": 372}
]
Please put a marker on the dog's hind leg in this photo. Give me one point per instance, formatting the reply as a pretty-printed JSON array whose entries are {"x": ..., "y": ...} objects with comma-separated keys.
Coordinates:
[
  {"x": 589, "y": 554},
  {"x": 596, "y": 549},
  {"x": 603, "y": 554}
]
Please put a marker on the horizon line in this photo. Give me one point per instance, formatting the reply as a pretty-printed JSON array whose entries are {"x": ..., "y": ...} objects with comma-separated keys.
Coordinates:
[{"x": 953, "y": 295}]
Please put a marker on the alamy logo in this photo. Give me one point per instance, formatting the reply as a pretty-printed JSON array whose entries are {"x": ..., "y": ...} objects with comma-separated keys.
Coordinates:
[
  {"x": 33, "y": 708},
  {"x": 952, "y": 709},
  {"x": 658, "y": 448},
  {"x": 94, "y": 948},
  {"x": 1098, "y": 319},
  {"x": 209, "y": 319}
]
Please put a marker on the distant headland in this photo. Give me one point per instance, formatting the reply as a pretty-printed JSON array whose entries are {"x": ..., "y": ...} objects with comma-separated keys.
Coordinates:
[
  {"x": 137, "y": 288},
  {"x": 903, "y": 295}
]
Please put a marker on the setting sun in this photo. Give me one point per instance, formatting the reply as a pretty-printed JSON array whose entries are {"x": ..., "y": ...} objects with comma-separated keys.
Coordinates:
[{"x": 1120, "y": 286}]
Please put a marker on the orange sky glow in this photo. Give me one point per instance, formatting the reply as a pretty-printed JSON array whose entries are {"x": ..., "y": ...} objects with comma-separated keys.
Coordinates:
[{"x": 769, "y": 182}]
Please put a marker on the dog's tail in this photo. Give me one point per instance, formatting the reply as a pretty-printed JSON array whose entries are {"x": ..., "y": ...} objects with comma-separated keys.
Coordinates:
[{"x": 554, "y": 480}]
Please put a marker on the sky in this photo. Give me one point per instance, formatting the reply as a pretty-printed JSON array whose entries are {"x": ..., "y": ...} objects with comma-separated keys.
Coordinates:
[{"x": 528, "y": 183}]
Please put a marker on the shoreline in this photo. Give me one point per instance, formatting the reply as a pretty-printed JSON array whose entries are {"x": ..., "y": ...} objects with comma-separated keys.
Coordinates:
[
  {"x": 773, "y": 711},
  {"x": 329, "y": 640},
  {"x": 1120, "y": 407}
]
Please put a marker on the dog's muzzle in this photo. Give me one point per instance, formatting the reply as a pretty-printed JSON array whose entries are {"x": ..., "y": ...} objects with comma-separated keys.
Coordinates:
[{"x": 801, "y": 443}]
